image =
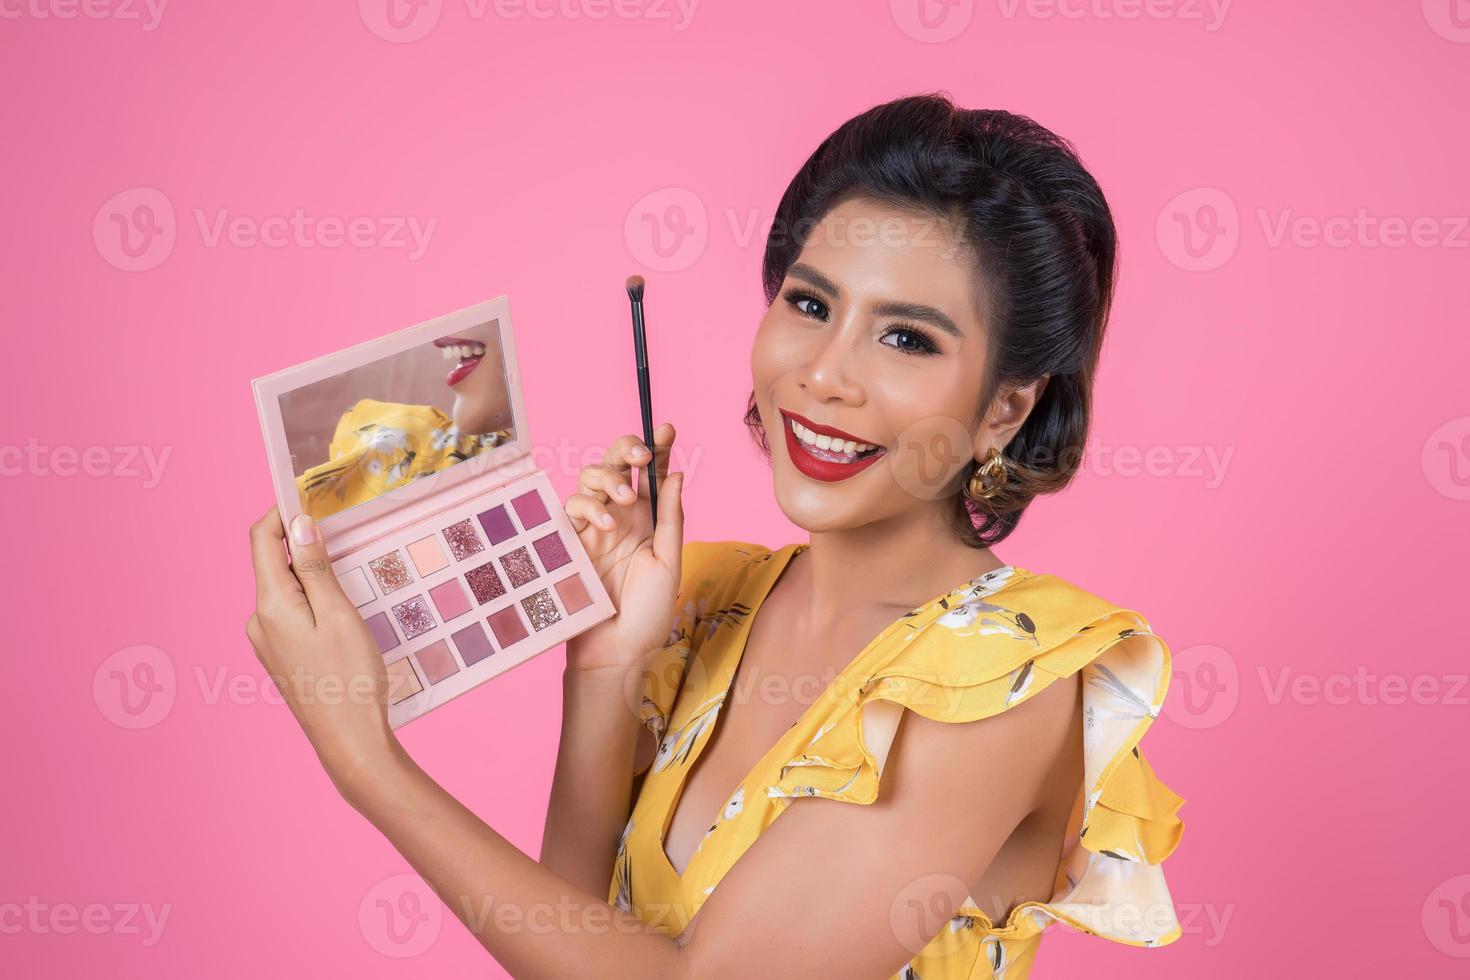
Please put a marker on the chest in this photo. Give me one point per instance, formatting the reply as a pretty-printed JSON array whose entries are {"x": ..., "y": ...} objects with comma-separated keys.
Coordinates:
[{"x": 784, "y": 669}]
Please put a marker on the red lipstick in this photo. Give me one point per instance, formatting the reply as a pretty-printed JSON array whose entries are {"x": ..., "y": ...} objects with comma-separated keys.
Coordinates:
[{"x": 821, "y": 467}]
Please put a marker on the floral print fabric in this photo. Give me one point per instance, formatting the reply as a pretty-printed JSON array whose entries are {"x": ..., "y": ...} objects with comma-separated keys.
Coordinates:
[
  {"x": 380, "y": 446},
  {"x": 969, "y": 654}
]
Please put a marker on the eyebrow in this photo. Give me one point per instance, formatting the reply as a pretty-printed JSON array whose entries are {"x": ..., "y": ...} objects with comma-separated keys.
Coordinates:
[{"x": 899, "y": 308}]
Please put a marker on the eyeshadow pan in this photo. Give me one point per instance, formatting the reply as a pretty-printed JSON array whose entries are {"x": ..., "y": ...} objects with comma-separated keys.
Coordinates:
[
  {"x": 473, "y": 644},
  {"x": 390, "y": 571},
  {"x": 437, "y": 662},
  {"x": 573, "y": 592},
  {"x": 403, "y": 683},
  {"x": 427, "y": 556},
  {"x": 531, "y": 508},
  {"x": 382, "y": 631},
  {"x": 355, "y": 584},
  {"x": 497, "y": 525},
  {"x": 414, "y": 616},
  {"x": 553, "y": 551},
  {"x": 450, "y": 600},
  {"x": 484, "y": 583},
  {"x": 540, "y": 609},
  {"x": 463, "y": 541},
  {"x": 519, "y": 566},
  {"x": 507, "y": 626}
]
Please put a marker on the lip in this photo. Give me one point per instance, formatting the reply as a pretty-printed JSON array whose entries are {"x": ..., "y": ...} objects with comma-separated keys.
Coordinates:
[
  {"x": 827, "y": 471},
  {"x": 467, "y": 365}
]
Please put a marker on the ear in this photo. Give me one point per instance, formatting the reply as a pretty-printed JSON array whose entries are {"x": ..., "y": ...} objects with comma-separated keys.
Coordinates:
[{"x": 1008, "y": 412}]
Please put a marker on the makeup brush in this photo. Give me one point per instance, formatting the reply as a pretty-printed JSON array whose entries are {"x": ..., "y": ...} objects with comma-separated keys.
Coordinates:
[{"x": 645, "y": 397}]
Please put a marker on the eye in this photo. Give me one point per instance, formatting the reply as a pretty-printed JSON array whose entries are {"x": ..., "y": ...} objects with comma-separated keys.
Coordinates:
[
  {"x": 909, "y": 340},
  {"x": 807, "y": 305}
]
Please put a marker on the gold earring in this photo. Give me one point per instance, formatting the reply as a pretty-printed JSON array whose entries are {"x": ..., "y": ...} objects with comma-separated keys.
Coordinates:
[{"x": 989, "y": 477}]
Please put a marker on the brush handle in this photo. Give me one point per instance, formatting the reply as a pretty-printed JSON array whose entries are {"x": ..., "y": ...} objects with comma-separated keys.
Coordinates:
[{"x": 645, "y": 406}]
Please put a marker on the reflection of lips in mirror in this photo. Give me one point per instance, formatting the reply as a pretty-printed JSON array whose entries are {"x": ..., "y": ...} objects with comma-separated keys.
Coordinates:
[{"x": 469, "y": 353}]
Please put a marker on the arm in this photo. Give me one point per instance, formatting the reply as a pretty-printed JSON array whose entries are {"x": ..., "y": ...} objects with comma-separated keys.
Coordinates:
[{"x": 817, "y": 894}]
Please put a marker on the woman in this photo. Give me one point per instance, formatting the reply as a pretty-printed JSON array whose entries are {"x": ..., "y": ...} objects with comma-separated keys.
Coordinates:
[
  {"x": 380, "y": 446},
  {"x": 939, "y": 280}
]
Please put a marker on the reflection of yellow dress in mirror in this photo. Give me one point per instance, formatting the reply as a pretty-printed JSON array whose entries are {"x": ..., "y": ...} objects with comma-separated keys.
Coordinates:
[{"x": 381, "y": 446}]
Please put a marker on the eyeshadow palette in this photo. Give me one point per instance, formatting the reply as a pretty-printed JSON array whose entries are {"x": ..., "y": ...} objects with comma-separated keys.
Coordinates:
[{"x": 441, "y": 530}]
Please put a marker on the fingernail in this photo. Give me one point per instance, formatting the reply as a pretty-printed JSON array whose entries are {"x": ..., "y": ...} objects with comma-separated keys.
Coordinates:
[
  {"x": 606, "y": 521},
  {"x": 624, "y": 490},
  {"x": 303, "y": 530}
]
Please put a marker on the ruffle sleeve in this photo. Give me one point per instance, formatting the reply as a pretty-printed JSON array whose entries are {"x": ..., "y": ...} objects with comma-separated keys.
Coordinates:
[{"x": 976, "y": 653}]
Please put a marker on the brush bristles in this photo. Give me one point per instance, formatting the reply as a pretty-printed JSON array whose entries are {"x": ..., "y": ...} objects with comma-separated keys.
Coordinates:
[{"x": 635, "y": 288}]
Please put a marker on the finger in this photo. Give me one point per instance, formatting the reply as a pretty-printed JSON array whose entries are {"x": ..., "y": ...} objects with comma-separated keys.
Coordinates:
[
  {"x": 584, "y": 510},
  {"x": 668, "y": 536},
  {"x": 625, "y": 451},
  {"x": 313, "y": 570},
  {"x": 663, "y": 444},
  {"x": 605, "y": 482},
  {"x": 273, "y": 578}
]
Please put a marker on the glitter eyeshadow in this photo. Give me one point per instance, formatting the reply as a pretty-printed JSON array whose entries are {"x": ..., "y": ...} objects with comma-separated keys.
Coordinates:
[
  {"x": 519, "y": 566},
  {"x": 390, "y": 571},
  {"x": 540, "y": 609},
  {"x": 414, "y": 617},
  {"x": 553, "y": 551},
  {"x": 484, "y": 583},
  {"x": 463, "y": 541}
]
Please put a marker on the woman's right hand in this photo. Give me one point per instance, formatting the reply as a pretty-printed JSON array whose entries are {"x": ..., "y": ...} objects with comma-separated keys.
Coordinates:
[{"x": 638, "y": 564}]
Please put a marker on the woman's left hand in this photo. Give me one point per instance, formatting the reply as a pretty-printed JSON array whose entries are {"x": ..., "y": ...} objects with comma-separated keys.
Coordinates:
[{"x": 318, "y": 651}]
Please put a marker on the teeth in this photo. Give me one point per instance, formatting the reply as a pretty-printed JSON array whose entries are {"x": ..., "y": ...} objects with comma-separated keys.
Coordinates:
[
  {"x": 828, "y": 442},
  {"x": 461, "y": 352}
]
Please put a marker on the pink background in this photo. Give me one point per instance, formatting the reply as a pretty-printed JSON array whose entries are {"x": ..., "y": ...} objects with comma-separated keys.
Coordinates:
[{"x": 1324, "y": 376}]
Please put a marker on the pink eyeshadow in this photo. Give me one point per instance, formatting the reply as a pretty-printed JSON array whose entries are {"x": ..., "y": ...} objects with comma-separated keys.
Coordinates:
[
  {"x": 450, "y": 599},
  {"x": 427, "y": 556},
  {"x": 553, "y": 551},
  {"x": 463, "y": 541},
  {"x": 507, "y": 626},
  {"x": 519, "y": 566},
  {"x": 390, "y": 571},
  {"x": 531, "y": 509},
  {"x": 484, "y": 583},
  {"x": 414, "y": 617},
  {"x": 573, "y": 593},
  {"x": 437, "y": 662}
]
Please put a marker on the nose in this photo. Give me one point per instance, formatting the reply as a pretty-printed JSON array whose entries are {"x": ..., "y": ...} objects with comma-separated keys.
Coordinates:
[{"x": 828, "y": 374}]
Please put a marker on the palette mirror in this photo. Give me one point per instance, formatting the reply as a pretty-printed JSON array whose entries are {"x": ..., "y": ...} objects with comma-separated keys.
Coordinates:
[{"x": 382, "y": 426}]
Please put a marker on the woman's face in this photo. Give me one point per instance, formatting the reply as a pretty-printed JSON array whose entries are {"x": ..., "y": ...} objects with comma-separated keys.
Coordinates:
[
  {"x": 876, "y": 340},
  {"x": 476, "y": 375}
]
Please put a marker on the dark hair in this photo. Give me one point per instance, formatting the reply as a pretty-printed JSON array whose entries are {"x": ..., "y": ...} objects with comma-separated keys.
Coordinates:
[{"x": 1043, "y": 235}]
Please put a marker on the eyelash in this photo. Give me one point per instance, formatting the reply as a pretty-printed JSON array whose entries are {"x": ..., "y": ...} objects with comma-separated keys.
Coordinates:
[{"x": 796, "y": 296}]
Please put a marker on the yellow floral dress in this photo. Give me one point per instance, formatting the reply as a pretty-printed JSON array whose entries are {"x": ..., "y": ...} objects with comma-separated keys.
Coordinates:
[
  {"x": 380, "y": 446},
  {"x": 973, "y": 652}
]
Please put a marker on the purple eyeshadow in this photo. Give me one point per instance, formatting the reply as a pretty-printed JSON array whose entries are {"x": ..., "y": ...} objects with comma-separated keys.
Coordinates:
[
  {"x": 382, "y": 631},
  {"x": 531, "y": 508},
  {"x": 553, "y": 551},
  {"x": 497, "y": 525},
  {"x": 473, "y": 644},
  {"x": 484, "y": 583}
]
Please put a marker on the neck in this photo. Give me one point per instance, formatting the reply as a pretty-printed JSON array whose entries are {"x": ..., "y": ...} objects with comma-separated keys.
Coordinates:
[{"x": 900, "y": 563}]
